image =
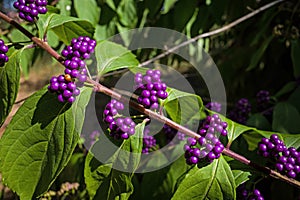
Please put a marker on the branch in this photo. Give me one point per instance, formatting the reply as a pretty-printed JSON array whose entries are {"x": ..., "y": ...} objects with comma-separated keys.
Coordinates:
[
  {"x": 140, "y": 108},
  {"x": 211, "y": 33}
]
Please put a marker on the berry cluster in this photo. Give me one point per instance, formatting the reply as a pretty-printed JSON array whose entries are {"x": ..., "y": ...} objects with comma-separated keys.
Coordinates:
[
  {"x": 75, "y": 68},
  {"x": 210, "y": 145},
  {"x": 170, "y": 133},
  {"x": 29, "y": 9},
  {"x": 244, "y": 194},
  {"x": 287, "y": 160},
  {"x": 151, "y": 87},
  {"x": 3, "y": 51},
  {"x": 262, "y": 99},
  {"x": 214, "y": 106},
  {"x": 148, "y": 141},
  {"x": 241, "y": 111},
  {"x": 120, "y": 127},
  {"x": 75, "y": 54},
  {"x": 64, "y": 87}
]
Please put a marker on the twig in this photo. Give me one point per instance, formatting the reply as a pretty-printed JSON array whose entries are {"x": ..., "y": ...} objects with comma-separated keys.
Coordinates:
[
  {"x": 33, "y": 38},
  {"x": 22, "y": 100},
  {"x": 211, "y": 33},
  {"x": 140, "y": 108}
]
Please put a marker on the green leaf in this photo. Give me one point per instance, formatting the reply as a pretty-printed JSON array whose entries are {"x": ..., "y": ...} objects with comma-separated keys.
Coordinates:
[
  {"x": 160, "y": 184},
  {"x": 168, "y": 4},
  {"x": 240, "y": 177},
  {"x": 295, "y": 52},
  {"x": 182, "y": 106},
  {"x": 252, "y": 138},
  {"x": 294, "y": 99},
  {"x": 26, "y": 59},
  {"x": 9, "y": 85},
  {"x": 67, "y": 28},
  {"x": 127, "y": 13},
  {"x": 39, "y": 142},
  {"x": 88, "y": 10},
  {"x": 126, "y": 36},
  {"x": 234, "y": 129},
  {"x": 63, "y": 5},
  {"x": 256, "y": 58},
  {"x": 111, "y": 56},
  {"x": 103, "y": 181},
  {"x": 183, "y": 12},
  {"x": 286, "y": 118},
  {"x": 287, "y": 88},
  {"x": 17, "y": 36},
  {"x": 214, "y": 181},
  {"x": 153, "y": 8},
  {"x": 73, "y": 172},
  {"x": 45, "y": 19},
  {"x": 291, "y": 140},
  {"x": 259, "y": 121}
]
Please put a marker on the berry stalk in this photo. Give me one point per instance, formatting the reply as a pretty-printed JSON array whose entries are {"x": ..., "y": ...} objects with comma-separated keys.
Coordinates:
[{"x": 100, "y": 88}]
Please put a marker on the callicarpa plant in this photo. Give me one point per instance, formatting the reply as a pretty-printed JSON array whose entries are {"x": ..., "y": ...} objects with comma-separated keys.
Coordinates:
[{"x": 120, "y": 121}]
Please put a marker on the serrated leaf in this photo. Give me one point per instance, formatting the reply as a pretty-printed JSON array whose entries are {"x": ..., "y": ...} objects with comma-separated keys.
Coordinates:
[
  {"x": 286, "y": 118},
  {"x": 103, "y": 180},
  {"x": 291, "y": 140},
  {"x": 88, "y": 10},
  {"x": 234, "y": 129},
  {"x": 9, "y": 85},
  {"x": 39, "y": 142},
  {"x": 295, "y": 52},
  {"x": 240, "y": 177},
  {"x": 66, "y": 27},
  {"x": 214, "y": 181},
  {"x": 182, "y": 106},
  {"x": 111, "y": 56}
]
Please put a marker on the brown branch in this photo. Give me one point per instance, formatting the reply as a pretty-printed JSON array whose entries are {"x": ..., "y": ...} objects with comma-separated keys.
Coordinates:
[
  {"x": 33, "y": 38},
  {"x": 140, "y": 108},
  {"x": 211, "y": 33}
]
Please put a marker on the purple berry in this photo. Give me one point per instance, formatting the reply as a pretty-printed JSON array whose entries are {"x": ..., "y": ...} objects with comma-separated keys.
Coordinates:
[
  {"x": 279, "y": 166},
  {"x": 60, "y": 98},
  {"x": 82, "y": 78},
  {"x": 191, "y": 141},
  {"x": 262, "y": 147},
  {"x": 193, "y": 160},
  {"x": 291, "y": 174},
  {"x": 67, "y": 94},
  {"x": 71, "y": 99}
]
